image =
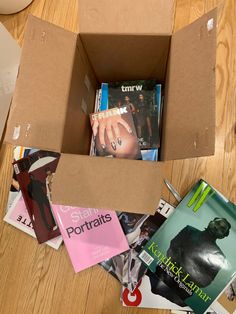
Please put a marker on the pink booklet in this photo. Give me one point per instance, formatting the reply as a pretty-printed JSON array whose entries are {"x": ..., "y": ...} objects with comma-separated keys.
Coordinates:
[{"x": 90, "y": 235}]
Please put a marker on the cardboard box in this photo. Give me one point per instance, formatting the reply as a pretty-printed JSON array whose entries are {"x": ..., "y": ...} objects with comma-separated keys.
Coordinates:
[
  {"x": 56, "y": 86},
  {"x": 9, "y": 63}
]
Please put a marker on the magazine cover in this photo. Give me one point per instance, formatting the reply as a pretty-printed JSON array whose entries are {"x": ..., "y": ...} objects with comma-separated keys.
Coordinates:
[
  {"x": 143, "y": 297},
  {"x": 92, "y": 151},
  {"x": 17, "y": 216},
  {"x": 127, "y": 267},
  {"x": 19, "y": 152},
  {"x": 144, "y": 99},
  {"x": 226, "y": 302},
  {"x": 90, "y": 235},
  {"x": 115, "y": 134},
  {"x": 35, "y": 174},
  {"x": 191, "y": 253},
  {"x": 150, "y": 154}
]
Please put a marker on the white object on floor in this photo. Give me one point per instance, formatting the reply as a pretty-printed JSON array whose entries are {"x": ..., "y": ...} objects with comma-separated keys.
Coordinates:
[{"x": 13, "y": 6}]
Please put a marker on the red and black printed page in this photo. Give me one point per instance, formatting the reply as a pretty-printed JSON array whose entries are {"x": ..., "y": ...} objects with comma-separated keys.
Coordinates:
[{"x": 35, "y": 174}]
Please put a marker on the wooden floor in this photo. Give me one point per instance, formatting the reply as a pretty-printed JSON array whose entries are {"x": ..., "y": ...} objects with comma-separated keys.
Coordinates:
[{"x": 37, "y": 279}]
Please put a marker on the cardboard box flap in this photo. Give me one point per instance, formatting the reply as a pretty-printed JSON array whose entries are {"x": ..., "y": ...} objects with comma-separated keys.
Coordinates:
[
  {"x": 189, "y": 113},
  {"x": 100, "y": 182},
  {"x": 126, "y": 17},
  {"x": 9, "y": 62},
  {"x": 39, "y": 104}
]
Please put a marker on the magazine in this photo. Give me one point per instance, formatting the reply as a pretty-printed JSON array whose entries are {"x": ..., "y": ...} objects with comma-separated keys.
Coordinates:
[
  {"x": 115, "y": 134},
  {"x": 92, "y": 151},
  {"x": 191, "y": 254},
  {"x": 90, "y": 235},
  {"x": 150, "y": 154},
  {"x": 144, "y": 99},
  {"x": 35, "y": 174},
  {"x": 18, "y": 153},
  {"x": 143, "y": 297},
  {"x": 126, "y": 267},
  {"x": 226, "y": 302},
  {"x": 17, "y": 215}
]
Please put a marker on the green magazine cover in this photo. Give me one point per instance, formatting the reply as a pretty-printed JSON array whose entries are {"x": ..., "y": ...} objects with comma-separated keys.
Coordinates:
[{"x": 193, "y": 254}]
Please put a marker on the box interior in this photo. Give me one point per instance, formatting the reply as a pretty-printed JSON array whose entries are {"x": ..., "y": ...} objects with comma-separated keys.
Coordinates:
[{"x": 110, "y": 58}]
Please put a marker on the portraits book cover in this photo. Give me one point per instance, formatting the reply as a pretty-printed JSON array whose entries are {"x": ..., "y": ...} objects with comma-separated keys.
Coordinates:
[
  {"x": 192, "y": 254},
  {"x": 90, "y": 235},
  {"x": 115, "y": 134},
  {"x": 34, "y": 174},
  {"x": 144, "y": 99}
]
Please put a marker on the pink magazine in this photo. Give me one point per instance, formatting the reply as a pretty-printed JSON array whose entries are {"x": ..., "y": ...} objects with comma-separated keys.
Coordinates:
[{"x": 90, "y": 235}]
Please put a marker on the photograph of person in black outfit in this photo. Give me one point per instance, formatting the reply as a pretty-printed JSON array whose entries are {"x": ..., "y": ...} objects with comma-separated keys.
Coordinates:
[
  {"x": 143, "y": 120},
  {"x": 37, "y": 192},
  {"x": 198, "y": 254}
]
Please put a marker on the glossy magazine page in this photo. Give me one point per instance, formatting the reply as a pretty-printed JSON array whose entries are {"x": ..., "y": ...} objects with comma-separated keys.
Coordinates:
[
  {"x": 143, "y": 296},
  {"x": 35, "y": 175},
  {"x": 193, "y": 254},
  {"x": 127, "y": 267},
  {"x": 144, "y": 99},
  {"x": 17, "y": 216}
]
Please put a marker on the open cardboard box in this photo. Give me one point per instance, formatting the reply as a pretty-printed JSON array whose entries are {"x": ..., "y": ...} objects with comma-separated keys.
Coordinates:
[{"x": 60, "y": 72}]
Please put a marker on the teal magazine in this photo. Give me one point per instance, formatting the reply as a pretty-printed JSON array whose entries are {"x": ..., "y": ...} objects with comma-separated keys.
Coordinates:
[{"x": 192, "y": 255}]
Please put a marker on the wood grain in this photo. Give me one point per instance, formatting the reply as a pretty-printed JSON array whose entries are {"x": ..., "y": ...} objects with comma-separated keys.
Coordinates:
[{"x": 37, "y": 279}]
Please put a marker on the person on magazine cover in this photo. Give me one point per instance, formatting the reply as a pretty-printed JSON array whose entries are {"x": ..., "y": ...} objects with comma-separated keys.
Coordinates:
[
  {"x": 230, "y": 291},
  {"x": 37, "y": 192},
  {"x": 49, "y": 180},
  {"x": 142, "y": 119},
  {"x": 198, "y": 254},
  {"x": 129, "y": 103}
]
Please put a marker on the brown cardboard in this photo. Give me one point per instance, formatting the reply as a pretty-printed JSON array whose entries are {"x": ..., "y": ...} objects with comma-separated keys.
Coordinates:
[
  {"x": 127, "y": 57},
  {"x": 101, "y": 182},
  {"x": 9, "y": 63},
  {"x": 189, "y": 111},
  {"x": 126, "y": 17},
  {"x": 58, "y": 77},
  {"x": 53, "y": 65}
]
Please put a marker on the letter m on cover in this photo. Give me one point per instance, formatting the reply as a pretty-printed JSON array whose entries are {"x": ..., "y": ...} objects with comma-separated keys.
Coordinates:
[{"x": 200, "y": 196}]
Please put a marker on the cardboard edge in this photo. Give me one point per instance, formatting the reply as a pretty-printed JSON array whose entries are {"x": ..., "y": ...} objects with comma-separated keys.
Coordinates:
[{"x": 87, "y": 183}]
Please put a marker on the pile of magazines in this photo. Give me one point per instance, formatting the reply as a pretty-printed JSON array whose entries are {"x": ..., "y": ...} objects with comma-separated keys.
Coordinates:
[{"x": 178, "y": 259}]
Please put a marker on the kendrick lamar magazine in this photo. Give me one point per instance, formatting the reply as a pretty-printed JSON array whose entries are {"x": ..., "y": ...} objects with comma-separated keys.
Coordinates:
[
  {"x": 90, "y": 235},
  {"x": 193, "y": 253}
]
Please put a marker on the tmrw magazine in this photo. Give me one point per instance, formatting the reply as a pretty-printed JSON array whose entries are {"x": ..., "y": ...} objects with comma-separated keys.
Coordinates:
[
  {"x": 90, "y": 235},
  {"x": 145, "y": 102},
  {"x": 115, "y": 134},
  {"x": 192, "y": 254},
  {"x": 127, "y": 267},
  {"x": 34, "y": 174}
]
